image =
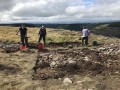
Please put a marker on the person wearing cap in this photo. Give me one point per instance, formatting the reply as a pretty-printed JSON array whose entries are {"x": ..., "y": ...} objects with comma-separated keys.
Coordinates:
[
  {"x": 85, "y": 35},
  {"x": 23, "y": 35},
  {"x": 42, "y": 35}
]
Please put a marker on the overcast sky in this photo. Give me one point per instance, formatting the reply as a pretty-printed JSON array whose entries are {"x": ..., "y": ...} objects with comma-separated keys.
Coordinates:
[{"x": 59, "y": 10}]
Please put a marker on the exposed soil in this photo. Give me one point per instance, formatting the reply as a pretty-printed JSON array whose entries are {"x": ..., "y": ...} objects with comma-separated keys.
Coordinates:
[
  {"x": 88, "y": 67},
  {"x": 61, "y": 63}
]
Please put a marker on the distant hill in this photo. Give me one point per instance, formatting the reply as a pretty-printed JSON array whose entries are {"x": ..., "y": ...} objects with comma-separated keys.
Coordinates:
[
  {"x": 77, "y": 26},
  {"x": 115, "y": 24}
]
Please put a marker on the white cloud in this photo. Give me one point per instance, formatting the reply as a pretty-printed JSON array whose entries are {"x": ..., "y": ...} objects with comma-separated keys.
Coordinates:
[{"x": 58, "y": 10}]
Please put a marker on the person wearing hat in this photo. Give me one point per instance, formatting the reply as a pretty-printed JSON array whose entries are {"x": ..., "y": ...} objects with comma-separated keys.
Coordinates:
[
  {"x": 23, "y": 35},
  {"x": 42, "y": 35}
]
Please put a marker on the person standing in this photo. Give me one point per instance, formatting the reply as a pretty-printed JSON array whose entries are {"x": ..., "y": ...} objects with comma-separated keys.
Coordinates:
[
  {"x": 42, "y": 35},
  {"x": 85, "y": 36},
  {"x": 23, "y": 35}
]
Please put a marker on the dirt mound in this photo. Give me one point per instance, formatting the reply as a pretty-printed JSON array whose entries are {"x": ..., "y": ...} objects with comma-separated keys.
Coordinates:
[
  {"x": 55, "y": 45},
  {"x": 60, "y": 63},
  {"x": 65, "y": 44},
  {"x": 9, "y": 46}
]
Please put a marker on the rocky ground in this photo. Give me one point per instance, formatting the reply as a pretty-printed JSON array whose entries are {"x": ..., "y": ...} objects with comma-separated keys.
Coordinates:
[
  {"x": 62, "y": 62},
  {"x": 61, "y": 66}
]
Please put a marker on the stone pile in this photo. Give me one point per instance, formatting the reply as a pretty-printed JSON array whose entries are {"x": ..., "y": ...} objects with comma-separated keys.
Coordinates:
[{"x": 60, "y": 63}]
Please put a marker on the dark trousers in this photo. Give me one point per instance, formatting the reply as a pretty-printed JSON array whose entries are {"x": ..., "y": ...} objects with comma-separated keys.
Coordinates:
[
  {"x": 85, "y": 40},
  {"x": 24, "y": 41},
  {"x": 42, "y": 37}
]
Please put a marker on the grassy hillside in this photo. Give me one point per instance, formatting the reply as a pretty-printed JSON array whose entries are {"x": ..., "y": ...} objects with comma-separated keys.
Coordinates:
[
  {"x": 56, "y": 35},
  {"x": 107, "y": 30},
  {"x": 53, "y": 35}
]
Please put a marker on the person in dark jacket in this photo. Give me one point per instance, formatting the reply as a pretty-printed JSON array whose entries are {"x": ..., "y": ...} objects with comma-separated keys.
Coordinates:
[
  {"x": 23, "y": 35},
  {"x": 42, "y": 34}
]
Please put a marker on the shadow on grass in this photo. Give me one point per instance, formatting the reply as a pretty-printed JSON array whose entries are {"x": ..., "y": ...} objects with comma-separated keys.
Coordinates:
[{"x": 9, "y": 69}]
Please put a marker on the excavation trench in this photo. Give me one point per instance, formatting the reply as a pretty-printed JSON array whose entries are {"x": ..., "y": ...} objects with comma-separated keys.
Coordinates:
[{"x": 67, "y": 62}]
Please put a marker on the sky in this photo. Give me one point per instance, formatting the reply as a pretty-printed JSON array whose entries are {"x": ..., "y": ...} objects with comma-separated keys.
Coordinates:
[{"x": 59, "y": 11}]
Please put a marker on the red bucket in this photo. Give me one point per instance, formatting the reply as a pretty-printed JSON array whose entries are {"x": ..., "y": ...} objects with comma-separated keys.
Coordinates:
[
  {"x": 23, "y": 47},
  {"x": 41, "y": 46}
]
